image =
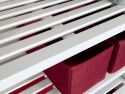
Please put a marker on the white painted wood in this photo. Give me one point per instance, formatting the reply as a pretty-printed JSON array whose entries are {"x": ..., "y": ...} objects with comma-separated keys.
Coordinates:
[
  {"x": 53, "y": 54},
  {"x": 68, "y": 35},
  {"x": 112, "y": 85},
  {"x": 23, "y": 83},
  {"x": 40, "y": 14},
  {"x": 54, "y": 91},
  {"x": 12, "y": 58},
  {"x": 3, "y": 1},
  {"x": 28, "y": 8},
  {"x": 18, "y": 33},
  {"x": 14, "y": 3},
  {"x": 8, "y": 43},
  {"x": 37, "y": 87},
  {"x": 120, "y": 91},
  {"x": 25, "y": 69},
  {"x": 57, "y": 32}
]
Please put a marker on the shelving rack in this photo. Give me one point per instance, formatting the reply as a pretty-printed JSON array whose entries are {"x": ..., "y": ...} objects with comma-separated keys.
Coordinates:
[{"x": 76, "y": 24}]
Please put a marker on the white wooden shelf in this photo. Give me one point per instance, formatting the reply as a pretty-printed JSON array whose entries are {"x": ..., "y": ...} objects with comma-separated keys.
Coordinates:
[{"x": 58, "y": 19}]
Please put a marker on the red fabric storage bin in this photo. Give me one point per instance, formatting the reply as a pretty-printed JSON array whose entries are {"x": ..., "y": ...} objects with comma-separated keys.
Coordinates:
[
  {"x": 80, "y": 72},
  {"x": 118, "y": 56}
]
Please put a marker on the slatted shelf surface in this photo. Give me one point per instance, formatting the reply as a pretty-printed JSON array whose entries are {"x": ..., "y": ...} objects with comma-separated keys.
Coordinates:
[
  {"x": 115, "y": 87},
  {"x": 28, "y": 8},
  {"x": 38, "y": 87},
  {"x": 77, "y": 24},
  {"x": 109, "y": 87},
  {"x": 110, "y": 81},
  {"x": 54, "y": 91},
  {"x": 14, "y": 3},
  {"x": 29, "y": 80},
  {"x": 120, "y": 91},
  {"x": 3, "y": 1},
  {"x": 38, "y": 84}
]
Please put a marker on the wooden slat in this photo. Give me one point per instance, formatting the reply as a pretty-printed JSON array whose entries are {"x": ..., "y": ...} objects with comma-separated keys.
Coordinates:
[
  {"x": 14, "y": 3},
  {"x": 12, "y": 58},
  {"x": 18, "y": 33},
  {"x": 60, "y": 31},
  {"x": 120, "y": 91},
  {"x": 40, "y": 14},
  {"x": 28, "y": 8},
  {"x": 37, "y": 87},
  {"x": 23, "y": 83},
  {"x": 15, "y": 71},
  {"x": 3, "y": 1},
  {"x": 54, "y": 91},
  {"x": 123, "y": 76},
  {"x": 109, "y": 87},
  {"x": 68, "y": 35}
]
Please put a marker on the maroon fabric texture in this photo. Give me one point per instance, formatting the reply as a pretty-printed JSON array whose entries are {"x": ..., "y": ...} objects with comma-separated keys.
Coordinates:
[
  {"x": 118, "y": 56},
  {"x": 80, "y": 72}
]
